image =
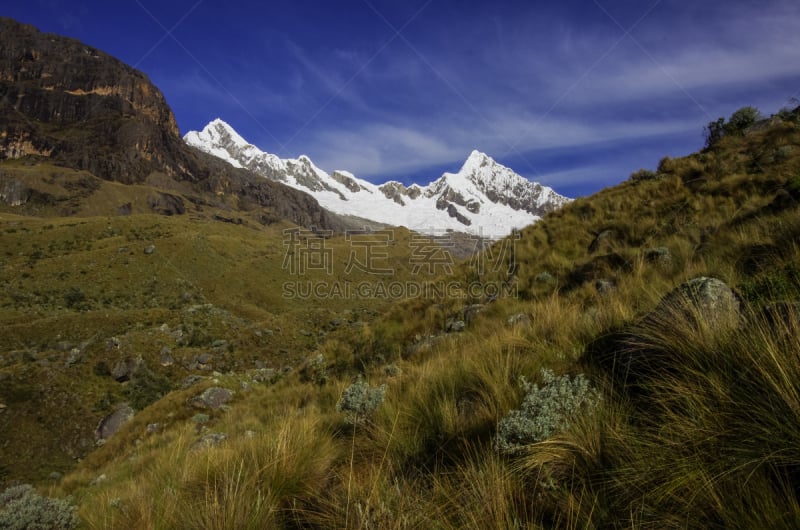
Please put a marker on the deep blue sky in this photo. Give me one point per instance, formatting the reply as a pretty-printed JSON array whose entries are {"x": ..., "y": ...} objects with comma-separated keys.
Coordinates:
[{"x": 574, "y": 94}]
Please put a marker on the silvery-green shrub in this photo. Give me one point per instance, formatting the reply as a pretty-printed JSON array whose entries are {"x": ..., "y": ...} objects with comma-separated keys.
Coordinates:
[
  {"x": 359, "y": 401},
  {"x": 545, "y": 410},
  {"x": 21, "y": 508}
]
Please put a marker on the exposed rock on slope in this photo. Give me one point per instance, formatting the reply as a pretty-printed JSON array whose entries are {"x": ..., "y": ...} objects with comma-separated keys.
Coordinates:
[
  {"x": 83, "y": 109},
  {"x": 483, "y": 197}
]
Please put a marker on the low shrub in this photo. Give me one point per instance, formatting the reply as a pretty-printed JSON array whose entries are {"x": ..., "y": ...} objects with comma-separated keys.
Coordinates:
[
  {"x": 21, "y": 508},
  {"x": 545, "y": 410},
  {"x": 359, "y": 401}
]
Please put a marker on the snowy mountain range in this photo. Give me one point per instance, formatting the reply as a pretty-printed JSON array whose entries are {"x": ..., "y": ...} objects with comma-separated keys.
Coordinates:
[{"x": 483, "y": 197}]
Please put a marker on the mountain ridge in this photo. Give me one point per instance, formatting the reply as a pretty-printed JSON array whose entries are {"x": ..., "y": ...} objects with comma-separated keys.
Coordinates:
[
  {"x": 68, "y": 104},
  {"x": 482, "y": 197}
]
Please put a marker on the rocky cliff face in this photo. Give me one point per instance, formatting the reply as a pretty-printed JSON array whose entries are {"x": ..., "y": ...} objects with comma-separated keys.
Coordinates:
[{"x": 84, "y": 109}]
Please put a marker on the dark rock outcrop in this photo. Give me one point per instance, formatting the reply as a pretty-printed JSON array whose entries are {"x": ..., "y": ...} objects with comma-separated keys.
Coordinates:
[
  {"x": 77, "y": 107},
  {"x": 212, "y": 398},
  {"x": 653, "y": 347},
  {"x": 210, "y": 440},
  {"x": 112, "y": 423},
  {"x": 660, "y": 256},
  {"x": 700, "y": 301}
]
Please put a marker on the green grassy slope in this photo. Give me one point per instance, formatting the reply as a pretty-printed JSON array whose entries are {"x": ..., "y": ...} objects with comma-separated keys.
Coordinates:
[
  {"x": 701, "y": 432},
  {"x": 82, "y": 294}
]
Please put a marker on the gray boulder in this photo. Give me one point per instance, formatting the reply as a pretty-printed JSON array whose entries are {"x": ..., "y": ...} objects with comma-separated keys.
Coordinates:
[
  {"x": 519, "y": 320},
  {"x": 471, "y": 312},
  {"x": 701, "y": 300},
  {"x": 605, "y": 285},
  {"x": 212, "y": 398},
  {"x": 212, "y": 439},
  {"x": 125, "y": 368},
  {"x": 454, "y": 326},
  {"x": 109, "y": 425},
  {"x": 660, "y": 256}
]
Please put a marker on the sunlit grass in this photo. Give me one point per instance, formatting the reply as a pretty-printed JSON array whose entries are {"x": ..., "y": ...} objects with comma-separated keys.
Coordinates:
[{"x": 702, "y": 432}]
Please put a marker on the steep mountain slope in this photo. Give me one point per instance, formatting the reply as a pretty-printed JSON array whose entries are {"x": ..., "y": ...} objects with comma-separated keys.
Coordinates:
[
  {"x": 708, "y": 440},
  {"x": 67, "y": 104},
  {"x": 483, "y": 197}
]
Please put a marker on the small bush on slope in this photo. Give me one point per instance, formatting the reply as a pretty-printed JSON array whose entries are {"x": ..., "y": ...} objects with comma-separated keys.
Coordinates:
[
  {"x": 545, "y": 411},
  {"x": 21, "y": 508},
  {"x": 359, "y": 401}
]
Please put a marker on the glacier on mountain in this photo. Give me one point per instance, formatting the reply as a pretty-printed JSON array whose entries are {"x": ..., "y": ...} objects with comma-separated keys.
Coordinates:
[{"x": 483, "y": 198}]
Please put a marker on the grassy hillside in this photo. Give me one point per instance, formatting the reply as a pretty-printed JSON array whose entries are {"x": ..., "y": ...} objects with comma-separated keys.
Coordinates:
[
  {"x": 588, "y": 400},
  {"x": 85, "y": 296}
]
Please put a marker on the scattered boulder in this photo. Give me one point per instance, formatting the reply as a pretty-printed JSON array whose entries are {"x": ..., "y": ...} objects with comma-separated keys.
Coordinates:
[
  {"x": 455, "y": 326},
  {"x": 422, "y": 344},
  {"x": 166, "y": 204},
  {"x": 650, "y": 348},
  {"x": 471, "y": 311},
  {"x": 212, "y": 439},
  {"x": 602, "y": 236},
  {"x": 74, "y": 356},
  {"x": 149, "y": 249},
  {"x": 166, "y": 357},
  {"x": 191, "y": 380},
  {"x": 112, "y": 423},
  {"x": 519, "y": 320},
  {"x": 700, "y": 300},
  {"x": 201, "y": 418},
  {"x": 125, "y": 368},
  {"x": 660, "y": 256},
  {"x": 599, "y": 267},
  {"x": 212, "y": 398},
  {"x": 605, "y": 285},
  {"x": 544, "y": 277},
  {"x": 264, "y": 375}
]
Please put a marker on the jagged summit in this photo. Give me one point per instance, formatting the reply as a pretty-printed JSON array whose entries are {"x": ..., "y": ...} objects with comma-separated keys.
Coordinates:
[{"x": 483, "y": 197}]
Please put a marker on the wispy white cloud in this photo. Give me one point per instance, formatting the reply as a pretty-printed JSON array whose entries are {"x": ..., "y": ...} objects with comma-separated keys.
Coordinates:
[
  {"x": 374, "y": 150},
  {"x": 503, "y": 98},
  {"x": 520, "y": 84},
  {"x": 327, "y": 78},
  {"x": 377, "y": 150}
]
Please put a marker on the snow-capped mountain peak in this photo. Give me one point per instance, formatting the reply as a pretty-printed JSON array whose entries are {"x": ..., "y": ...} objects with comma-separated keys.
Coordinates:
[{"x": 483, "y": 197}]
